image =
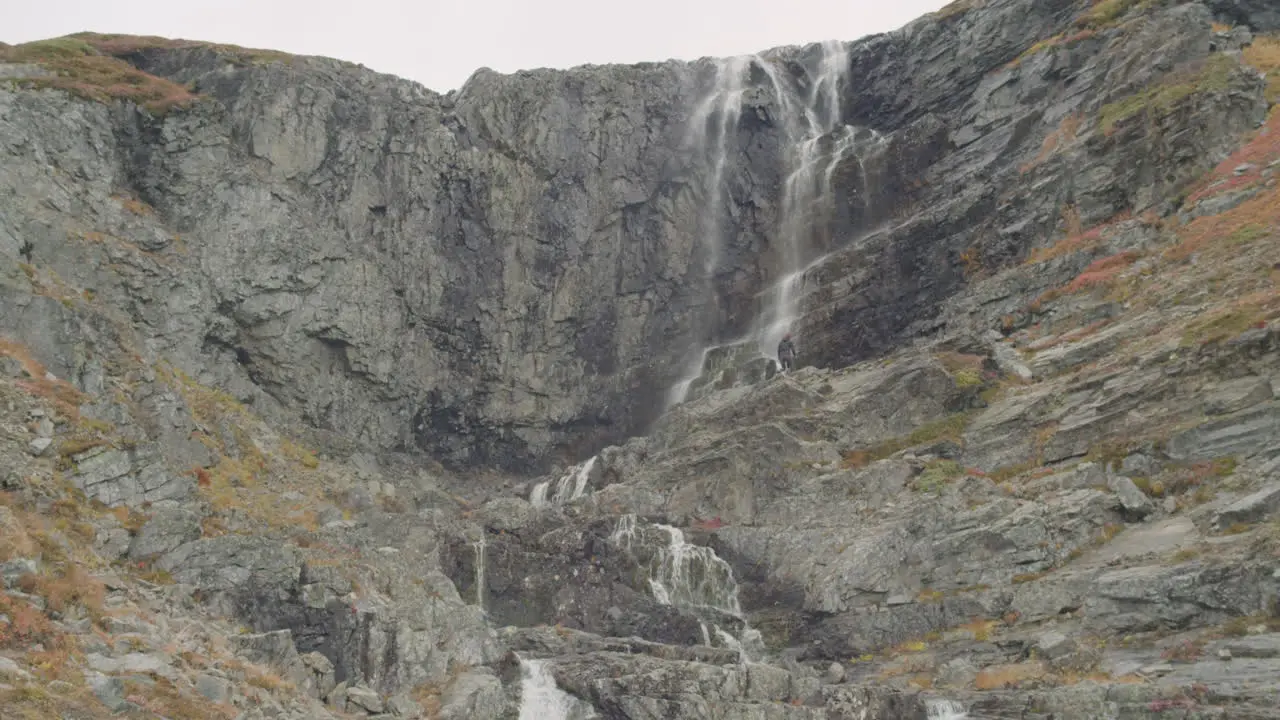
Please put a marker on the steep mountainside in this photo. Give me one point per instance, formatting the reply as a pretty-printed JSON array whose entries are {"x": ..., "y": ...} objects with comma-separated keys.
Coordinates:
[{"x": 288, "y": 348}]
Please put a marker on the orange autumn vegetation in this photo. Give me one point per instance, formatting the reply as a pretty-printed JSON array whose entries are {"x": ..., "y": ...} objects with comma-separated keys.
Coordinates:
[
  {"x": 1260, "y": 151},
  {"x": 1102, "y": 272},
  {"x": 1245, "y": 223},
  {"x": 1062, "y": 135},
  {"x": 81, "y": 68},
  {"x": 1077, "y": 239},
  {"x": 65, "y": 397}
]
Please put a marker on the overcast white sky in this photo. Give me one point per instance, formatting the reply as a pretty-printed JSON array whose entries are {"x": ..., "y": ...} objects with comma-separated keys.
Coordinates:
[{"x": 440, "y": 42}]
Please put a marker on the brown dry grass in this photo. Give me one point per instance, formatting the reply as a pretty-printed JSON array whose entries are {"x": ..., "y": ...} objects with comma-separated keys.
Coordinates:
[
  {"x": 66, "y": 398},
  {"x": 134, "y": 205},
  {"x": 999, "y": 677},
  {"x": 163, "y": 698},
  {"x": 84, "y": 70},
  {"x": 26, "y": 626},
  {"x": 72, "y": 587},
  {"x": 1264, "y": 54}
]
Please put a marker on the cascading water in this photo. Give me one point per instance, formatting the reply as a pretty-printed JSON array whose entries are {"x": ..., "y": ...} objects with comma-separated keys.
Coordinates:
[
  {"x": 569, "y": 487},
  {"x": 541, "y": 699},
  {"x": 713, "y": 128},
  {"x": 815, "y": 142},
  {"x": 691, "y": 576},
  {"x": 480, "y": 547},
  {"x": 940, "y": 709}
]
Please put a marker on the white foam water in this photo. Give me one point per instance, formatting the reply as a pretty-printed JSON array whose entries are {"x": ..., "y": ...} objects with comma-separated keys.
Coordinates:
[
  {"x": 542, "y": 699},
  {"x": 942, "y": 709},
  {"x": 568, "y": 487},
  {"x": 692, "y": 576}
]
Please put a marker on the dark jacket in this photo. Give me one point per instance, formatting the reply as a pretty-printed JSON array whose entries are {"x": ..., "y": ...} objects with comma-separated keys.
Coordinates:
[{"x": 786, "y": 349}]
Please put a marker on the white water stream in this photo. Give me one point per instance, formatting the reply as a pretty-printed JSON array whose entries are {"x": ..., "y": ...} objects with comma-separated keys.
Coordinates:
[
  {"x": 940, "y": 709},
  {"x": 480, "y": 548},
  {"x": 541, "y": 699},
  {"x": 691, "y": 576},
  {"x": 569, "y": 487},
  {"x": 814, "y": 144}
]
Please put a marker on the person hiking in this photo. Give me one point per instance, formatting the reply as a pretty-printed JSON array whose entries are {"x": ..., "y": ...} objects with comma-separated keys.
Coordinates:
[{"x": 786, "y": 353}]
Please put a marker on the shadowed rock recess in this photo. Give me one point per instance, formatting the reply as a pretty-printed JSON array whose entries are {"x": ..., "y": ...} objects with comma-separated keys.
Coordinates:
[{"x": 324, "y": 395}]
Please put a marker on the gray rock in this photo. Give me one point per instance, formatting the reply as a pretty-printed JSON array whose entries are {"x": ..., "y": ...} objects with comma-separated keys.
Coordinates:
[
  {"x": 362, "y": 698},
  {"x": 44, "y": 428},
  {"x": 1054, "y": 645},
  {"x": 1136, "y": 504},
  {"x": 506, "y": 514},
  {"x": 403, "y": 706},
  {"x": 132, "y": 663},
  {"x": 957, "y": 673},
  {"x": 170, "y": 526},
  {"x": 475, "y": 694},
  {"x": 1241, "y": 434},
  {"x": 1252, "y": 508},
  {"x": 11, "y": 671},
  {"x": 215, "y": 689},
  {"x": 1138, "y": 464},
  {"x": 108, "y": 690},
  {"x": 1236, "y": 395},
  {"x": 13, "y": 571},
  {"x": 322, "y": 676},
  {"x": 112, "y": 543},
  {"x": 834, "y": 674},
  {"x": 39, "y": 445},
  {"x": 1257, "y": 646},
  {"x": 276, "y": 650}
]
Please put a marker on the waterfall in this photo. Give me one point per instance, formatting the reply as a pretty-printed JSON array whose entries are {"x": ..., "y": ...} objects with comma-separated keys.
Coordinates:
[
  {"x": 712, "y": 129},
  {"x": 541, "y": 699},
  {"x": 479, "y": 547},
  {"x": 689, "y": 576},
  {"x": 814, "y": 141},
  {"x": 940, "y": 709},
  {"x": 818, "y": 142},
  {"x": 568, "y": 487}
]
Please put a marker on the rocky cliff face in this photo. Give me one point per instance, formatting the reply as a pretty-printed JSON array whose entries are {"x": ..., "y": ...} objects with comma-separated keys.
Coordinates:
[{"x": 1028, "y": 467}]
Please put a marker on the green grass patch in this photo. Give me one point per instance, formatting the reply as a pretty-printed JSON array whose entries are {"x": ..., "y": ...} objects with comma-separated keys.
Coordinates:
[
  {"x": 1159, "y": 100},
  {"x": 947, "y": 428},
  {"x": 936, "y": 475}
]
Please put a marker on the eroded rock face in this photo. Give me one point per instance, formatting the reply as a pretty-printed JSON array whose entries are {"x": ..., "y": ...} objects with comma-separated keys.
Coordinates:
[{"x": 514, "y": 274}]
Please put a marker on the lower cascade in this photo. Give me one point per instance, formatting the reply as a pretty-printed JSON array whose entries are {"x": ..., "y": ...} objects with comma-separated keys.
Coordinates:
[
  {"x": 541, "y": 699},
  {"x": 691, "y": 576},
  {"x": 941, "y": 709},
  {"x": 569, "y": 487},
  {"x": 479, "y": 547}
]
